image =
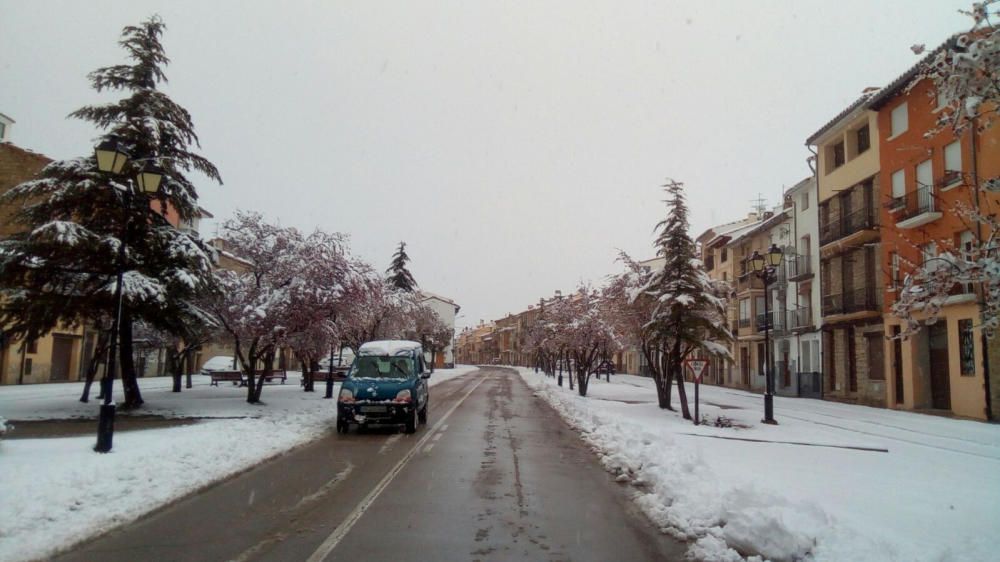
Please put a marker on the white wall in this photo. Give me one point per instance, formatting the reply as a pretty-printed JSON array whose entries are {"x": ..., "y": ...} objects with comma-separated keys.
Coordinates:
[{"x": 446, "y": 312}]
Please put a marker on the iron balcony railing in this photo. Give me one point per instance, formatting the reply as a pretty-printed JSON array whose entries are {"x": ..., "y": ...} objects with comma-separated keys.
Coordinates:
[
  {"x": 800, "y": 318},
  {"x": 799, "y": 267},
  {"x": 846, "y": 225},
  {"x": 918, "y": 202},
  {"x": 744, "y": 322},
  {"x": 773, "y": 321},
  {"x": 857, "y": 300}
]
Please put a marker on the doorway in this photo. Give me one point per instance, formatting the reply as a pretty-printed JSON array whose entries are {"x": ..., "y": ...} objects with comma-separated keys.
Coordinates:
[
  {"x": 897, "y": 364},
  {"x": 62, "y": 355},
  {"x": 937, "y": 336}
]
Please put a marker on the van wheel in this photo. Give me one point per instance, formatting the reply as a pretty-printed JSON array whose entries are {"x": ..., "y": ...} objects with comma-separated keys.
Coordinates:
[
  {"x": 411, "y": 423},
  {"x": 342, "y": 427},
  {"x": 422, "y": 414}
]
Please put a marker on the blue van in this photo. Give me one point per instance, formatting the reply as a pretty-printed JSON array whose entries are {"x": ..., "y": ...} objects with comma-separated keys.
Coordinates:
[{"x": 387, "y": 385}]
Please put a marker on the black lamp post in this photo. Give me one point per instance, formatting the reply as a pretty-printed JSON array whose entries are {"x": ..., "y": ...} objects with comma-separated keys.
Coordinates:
[
  {"x": 111, "y": 158},
  {"x": 766, "y": 268}
]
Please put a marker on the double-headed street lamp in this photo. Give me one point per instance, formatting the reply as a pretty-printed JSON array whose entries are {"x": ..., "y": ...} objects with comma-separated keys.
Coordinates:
[
  {"x": 766, "y": 268},
  {"x": 111, "y": 158}
]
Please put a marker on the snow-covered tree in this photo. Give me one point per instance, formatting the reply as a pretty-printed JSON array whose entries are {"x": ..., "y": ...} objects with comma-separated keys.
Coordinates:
[
  {"x": 256, "y": 306},
  {"x": 399, "y": 275},
  {"x": 428, "y": 329},
  {"x": 689, "y": 314},
  {"x": 584, "y": 333},
  {"x": 631, "y": 312},
  {"x": 74, "y": 219},
  {"x": 965, "y": 72}
]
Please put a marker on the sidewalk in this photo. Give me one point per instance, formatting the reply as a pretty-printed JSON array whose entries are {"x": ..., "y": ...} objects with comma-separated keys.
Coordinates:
[{"x": 832, "y": 481}]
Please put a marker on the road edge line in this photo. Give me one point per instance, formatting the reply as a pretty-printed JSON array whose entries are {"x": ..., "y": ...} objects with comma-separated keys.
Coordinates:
[{"x": 354, "y": 516}]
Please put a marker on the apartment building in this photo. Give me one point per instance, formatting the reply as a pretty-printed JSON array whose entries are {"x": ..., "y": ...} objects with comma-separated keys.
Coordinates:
[
  {"x": 802, "y": 297},
  {"x": 63, "y": 354},
  {"x": 943, "y": 367},
  {"x": 849, "y": 187}
]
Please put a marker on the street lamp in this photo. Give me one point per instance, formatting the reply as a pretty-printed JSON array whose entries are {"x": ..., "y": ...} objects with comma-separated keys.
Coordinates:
[
  {"x": 111, "y": 158},
  {"x": 765, "y": 267}
]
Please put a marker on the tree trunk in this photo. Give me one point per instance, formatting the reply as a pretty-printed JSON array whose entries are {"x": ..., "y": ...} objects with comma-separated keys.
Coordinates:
[
  {"x": 175, "y": 362},
  {"x": 133, "y": 397},
  {"x": 188, "y": 365},
  {"x": 307, "y": 376},
  {"x": 100, "y": 349},
  {"x": 268, "y": 369},
  {"x": 676, "y": 368}
]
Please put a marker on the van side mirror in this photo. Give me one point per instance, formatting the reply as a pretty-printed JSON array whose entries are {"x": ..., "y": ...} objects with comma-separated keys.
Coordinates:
[{"x": 425, "y": 375}]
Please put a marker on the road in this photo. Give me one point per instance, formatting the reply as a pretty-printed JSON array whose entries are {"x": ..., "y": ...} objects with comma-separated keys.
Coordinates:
[{"x": 494, "y": 475}]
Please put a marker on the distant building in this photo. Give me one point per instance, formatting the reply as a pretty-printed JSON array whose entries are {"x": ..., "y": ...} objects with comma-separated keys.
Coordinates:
[{"x": 446, "y": 309}]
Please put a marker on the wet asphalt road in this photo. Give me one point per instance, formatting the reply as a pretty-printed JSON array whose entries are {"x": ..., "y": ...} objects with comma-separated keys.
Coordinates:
[{"x": 494, "y": 475}]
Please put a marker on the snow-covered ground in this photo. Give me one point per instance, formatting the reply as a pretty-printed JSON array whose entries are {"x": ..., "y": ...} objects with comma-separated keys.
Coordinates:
[
  {"x": 57, "y": 491},
  {"x": 831, "y": 482}
]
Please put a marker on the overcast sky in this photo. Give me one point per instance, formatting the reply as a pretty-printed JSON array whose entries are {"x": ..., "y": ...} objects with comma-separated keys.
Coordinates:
[{"x": 514, "y": 146}]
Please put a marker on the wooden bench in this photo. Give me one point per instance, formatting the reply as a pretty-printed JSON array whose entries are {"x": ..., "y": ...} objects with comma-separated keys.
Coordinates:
[
  {"x": 236, "y": 377},
  {"x": 278, "y": 374},
  {"x": 319, "y": 377}
]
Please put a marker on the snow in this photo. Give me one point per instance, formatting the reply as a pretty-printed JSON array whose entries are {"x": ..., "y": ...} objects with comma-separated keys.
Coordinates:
[
  {"x": 57, "y": 491},
  {"x": 387, "y": 347},
  {"x": 816, "y": 487}
]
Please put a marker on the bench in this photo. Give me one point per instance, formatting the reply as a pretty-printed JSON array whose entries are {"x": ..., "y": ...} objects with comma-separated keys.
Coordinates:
[
  {"x": 278, "y": 374},
  {"x": 236, "y": 377},
  {"x": 339, "y": 374}
]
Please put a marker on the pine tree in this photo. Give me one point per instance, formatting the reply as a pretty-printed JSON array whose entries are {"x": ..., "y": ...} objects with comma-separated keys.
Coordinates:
[
  {"x": 399, "y": 275},
  {"x": 74, "y": 219},
  {"x": 690, "y": 313}
]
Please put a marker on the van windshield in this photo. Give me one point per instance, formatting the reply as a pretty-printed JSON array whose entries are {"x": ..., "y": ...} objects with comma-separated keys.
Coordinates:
[{"x": 375, "y": 367}]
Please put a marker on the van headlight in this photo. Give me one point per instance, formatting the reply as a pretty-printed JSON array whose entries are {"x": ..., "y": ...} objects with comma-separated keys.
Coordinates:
[
  {"x": 403, "y": 397},
  {"x": 346, "y": 396}
]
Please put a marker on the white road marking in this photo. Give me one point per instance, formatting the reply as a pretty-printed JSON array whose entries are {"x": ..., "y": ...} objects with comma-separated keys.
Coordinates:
[
  {"x": 428, "y": 448},
  {"x": 325, "y": 488},
  {"x": 436, "y": 436},
  {"x": 444, "y": 427},
  {"x": 341, "y": 531},
  {"x": 389, "y": 443}
]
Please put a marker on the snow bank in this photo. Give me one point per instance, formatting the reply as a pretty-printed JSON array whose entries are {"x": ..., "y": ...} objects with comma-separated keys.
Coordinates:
[
  {"x": 841, "y": 499},
  {"x": 56, "y": 492}
]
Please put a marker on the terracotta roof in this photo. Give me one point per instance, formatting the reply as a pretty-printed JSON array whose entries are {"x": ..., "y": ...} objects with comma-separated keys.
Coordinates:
[
  {"x": 903, "y": 80},
  {"x": 858, "y": 103}
]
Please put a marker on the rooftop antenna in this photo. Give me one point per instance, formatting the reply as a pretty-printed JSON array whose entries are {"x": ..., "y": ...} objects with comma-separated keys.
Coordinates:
[{"x": 759, "y": 204}]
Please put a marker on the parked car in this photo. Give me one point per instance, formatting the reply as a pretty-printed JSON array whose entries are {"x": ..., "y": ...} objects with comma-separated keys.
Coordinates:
[
  {"x": 387, "y": 385},
  {"x": 340, "y": 360},
  {"x": 220, "y": 363}
]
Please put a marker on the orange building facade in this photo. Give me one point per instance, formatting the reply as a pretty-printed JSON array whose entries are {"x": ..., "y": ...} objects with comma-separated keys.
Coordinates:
[{"x": 925, "y": 179}]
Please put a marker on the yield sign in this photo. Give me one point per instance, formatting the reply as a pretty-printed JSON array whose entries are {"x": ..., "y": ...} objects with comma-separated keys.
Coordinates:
[{"x": 697, "y": 367}]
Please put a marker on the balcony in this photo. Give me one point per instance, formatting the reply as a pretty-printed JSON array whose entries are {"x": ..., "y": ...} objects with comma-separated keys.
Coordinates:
[
  {"x": 773, "y": 321},
  {"x": 744, "y": 322},
  {"x": 799, "y": 268},
  {"x": 919, "y": 209},
  {"x": 842, "y": 227},
  {"x": 749, "y": 281},
  {"x": 800, "y": 319},
  {"x": 865, "y": 299}
]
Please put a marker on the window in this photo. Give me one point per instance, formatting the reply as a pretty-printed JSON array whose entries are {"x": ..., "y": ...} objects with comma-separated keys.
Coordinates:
[
  {"x": 928, "y": 252},
  {"x": 805, "y": 201},
  {"x": 725, "y": 255},
  {"x": 900, "y": 120},
  {"x": 864, "y": 141},
  {"x": 876, "y": 358},
  {"x": 805, "y": 361},
  {"x": 894, "y": 280},
  {"x": 925, "y": 176},
  {"x": 898, "y": 184},
  {"x": 33, "y": 346},
  {"x": 744, "y": 309},
  {"x": 966, "y": 248},
  {"x": 838, "y": 154},
  {"x": 943, "y": 99},
  {"x": 27, "y": 366},
  {"x": 952, "y": 164},
  {"x": 966, "y": 347}
]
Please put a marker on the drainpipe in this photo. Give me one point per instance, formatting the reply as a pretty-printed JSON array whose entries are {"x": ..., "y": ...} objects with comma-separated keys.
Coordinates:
[
  {"x": 814, "y": 166},
  {"x": 982, "y": 289}
]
